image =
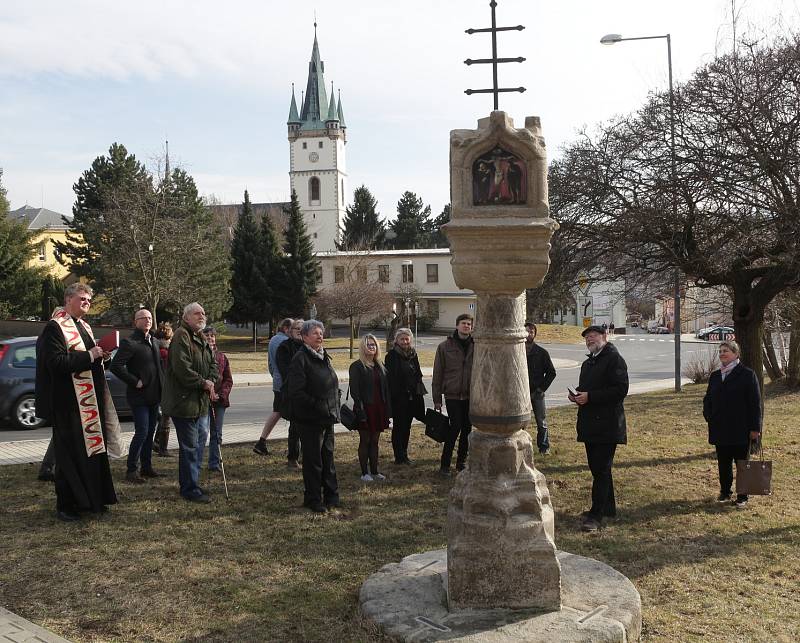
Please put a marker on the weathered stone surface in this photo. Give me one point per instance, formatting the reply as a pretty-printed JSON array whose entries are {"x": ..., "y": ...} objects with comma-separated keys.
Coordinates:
[
  {"x": 501, "y": 551},
  {"x": 407, "y": 600}
]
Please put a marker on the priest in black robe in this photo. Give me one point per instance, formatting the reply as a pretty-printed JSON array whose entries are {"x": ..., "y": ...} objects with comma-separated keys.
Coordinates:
[{"x": 85, "y": 426}]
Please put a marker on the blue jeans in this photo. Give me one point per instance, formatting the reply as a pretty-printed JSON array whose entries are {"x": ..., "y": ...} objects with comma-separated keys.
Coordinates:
[
  {"x": 540, "y": 416},
  {"x": 192, "y": 435},
  {"x": 216, "y": 435},
  {"x": 145, "y": 423}
]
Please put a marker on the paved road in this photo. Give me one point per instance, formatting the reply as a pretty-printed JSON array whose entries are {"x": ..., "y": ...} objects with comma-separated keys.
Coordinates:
[{"x": 649, "y": 358}]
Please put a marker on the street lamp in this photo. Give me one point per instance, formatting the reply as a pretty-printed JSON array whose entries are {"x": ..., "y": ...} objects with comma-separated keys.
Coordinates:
[{"x": 611, "y": 39}]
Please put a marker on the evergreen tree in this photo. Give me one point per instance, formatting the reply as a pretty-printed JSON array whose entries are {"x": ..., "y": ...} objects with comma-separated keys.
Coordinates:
[
  {"x": 299, "y": 265},
  {"x": 413, "y": 225},
  {"x": 363, "y": 228},
  {"x": 52, "y": 295},
  {"x": 19, "y": 283},
  {"x": 247, "y": 281},
  {"x": 438, "y": 237},
  {"x": 270, "y": 265}
]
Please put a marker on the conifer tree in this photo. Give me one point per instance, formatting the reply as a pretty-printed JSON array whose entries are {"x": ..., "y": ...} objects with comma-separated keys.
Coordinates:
[
  {"x": 413, "y": 225},
  {"x": 438, "y": 237},
  {"x": 363, "y": 228},
  {"x": 247, "y": 281},
  {"x": 270, "y": 265},
  {"x": 19, "y": 283},
  {"x": 299, "y": 265}
]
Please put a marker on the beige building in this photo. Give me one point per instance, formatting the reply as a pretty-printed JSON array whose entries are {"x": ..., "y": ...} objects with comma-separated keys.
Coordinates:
[
  {"x": 49, "y": 227},
  {"x": 421, "y": 276}
]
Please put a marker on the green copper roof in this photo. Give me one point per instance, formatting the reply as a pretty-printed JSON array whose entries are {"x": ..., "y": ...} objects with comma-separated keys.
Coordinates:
[
  {"x": 333, "y": 115},
  {"x": 315, "y": 104},
  {"x": 293, "y": 116},
  {"x": 341, "y": 112}
]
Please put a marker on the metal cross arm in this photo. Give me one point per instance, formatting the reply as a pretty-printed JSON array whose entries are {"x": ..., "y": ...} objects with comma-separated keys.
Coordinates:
[{"x": 494, "y": 60}]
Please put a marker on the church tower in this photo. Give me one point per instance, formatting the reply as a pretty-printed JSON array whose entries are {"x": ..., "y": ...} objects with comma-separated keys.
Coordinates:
[{"x": 317, "y": 168}]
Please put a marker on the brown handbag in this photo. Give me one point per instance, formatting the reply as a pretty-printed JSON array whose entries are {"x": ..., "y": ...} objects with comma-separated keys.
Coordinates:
[{"x": 754, "y": 477}]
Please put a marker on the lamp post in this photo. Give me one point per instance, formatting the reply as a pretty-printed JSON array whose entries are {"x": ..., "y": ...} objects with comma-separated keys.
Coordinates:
[{"x": 611, "y": 39}]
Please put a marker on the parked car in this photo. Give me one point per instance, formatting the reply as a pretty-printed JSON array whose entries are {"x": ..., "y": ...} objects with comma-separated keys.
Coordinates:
[
  {"x": 716, "y": 333},
  {"x": 18, "y": 384}
]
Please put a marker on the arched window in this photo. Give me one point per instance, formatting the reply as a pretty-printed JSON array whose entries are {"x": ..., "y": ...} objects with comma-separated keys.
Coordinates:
[{"x": 313, "y": 191}]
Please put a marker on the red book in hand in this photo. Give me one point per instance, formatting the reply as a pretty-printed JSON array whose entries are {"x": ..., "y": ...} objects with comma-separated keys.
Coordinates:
[{"x": 109, "y": 342}]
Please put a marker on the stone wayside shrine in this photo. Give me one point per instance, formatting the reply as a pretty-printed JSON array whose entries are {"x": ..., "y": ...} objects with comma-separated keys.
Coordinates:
[{"x": 501, "y": 577}]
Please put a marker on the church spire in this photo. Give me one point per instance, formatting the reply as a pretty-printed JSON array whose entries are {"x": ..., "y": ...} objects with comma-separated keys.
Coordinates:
[
  {"x": 316, "y": 99},
  {"x": 341, "y": 112},
  {"x": 293, "y": 115},
  {"x": 333, "y": 114}
]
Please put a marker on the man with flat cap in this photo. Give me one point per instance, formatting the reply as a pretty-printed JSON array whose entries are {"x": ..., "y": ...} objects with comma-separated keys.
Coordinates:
[{"x": 602, "y": 388}]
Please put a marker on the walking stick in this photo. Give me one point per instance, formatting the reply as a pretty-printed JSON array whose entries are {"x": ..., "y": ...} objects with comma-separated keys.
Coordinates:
[{"x": 219, "y": 446}]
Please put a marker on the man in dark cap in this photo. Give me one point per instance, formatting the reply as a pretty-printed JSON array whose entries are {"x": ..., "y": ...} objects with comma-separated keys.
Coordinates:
[{"x": 602, "y": 388}]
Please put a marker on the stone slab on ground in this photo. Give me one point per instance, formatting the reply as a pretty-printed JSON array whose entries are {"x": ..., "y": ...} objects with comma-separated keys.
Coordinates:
[
  {"x": 17, "y": 629},
  {"x": 408, "y": 602}
]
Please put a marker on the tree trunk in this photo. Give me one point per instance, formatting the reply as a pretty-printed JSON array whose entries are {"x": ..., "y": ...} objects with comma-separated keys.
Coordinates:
[
  {"x": 352, "y": 330},
  {"x": 770, "y": 358},
  {"x": 255, "y": 337},
  {"x": 793, "y": 370}
]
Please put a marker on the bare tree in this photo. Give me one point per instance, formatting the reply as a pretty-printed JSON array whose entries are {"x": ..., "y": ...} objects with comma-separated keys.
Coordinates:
[
  {"x": 356, "y": 292},
  {"x": 737, "y": 189}
]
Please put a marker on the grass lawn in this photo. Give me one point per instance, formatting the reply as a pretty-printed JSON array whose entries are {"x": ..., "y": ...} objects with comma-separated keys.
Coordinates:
[
  {"x": 244, "y": 360},
  {"x": 261, "y": 568}
]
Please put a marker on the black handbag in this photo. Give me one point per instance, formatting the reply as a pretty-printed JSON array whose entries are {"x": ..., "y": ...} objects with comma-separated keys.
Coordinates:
[
  {"x": 347, "y": 416},
  {"x": 437, "y": 425}
]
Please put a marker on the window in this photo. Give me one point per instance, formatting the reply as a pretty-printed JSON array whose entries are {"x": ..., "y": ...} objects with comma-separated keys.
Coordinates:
[
  {"x": 383, "y": 274},
  {"x": 320, "y": 145},
  {"x": 313, "y": 190},
  {"x": 408, "y": 273},
  {"x": 305, "y": 145},
  {"x": 433, "y": 273},
  {"x": 318, "y": 274},
  {"x": 433, "y": 308},
  {"x": 338, "y": 274},
  {"x": 24, "y": 357},
  {"x": 361, "y": 274},
  {"x": 42, "y": 250}
]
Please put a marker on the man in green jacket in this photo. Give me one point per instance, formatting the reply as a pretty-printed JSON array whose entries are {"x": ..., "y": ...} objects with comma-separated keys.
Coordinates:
[{"x": 188, "y": 388}]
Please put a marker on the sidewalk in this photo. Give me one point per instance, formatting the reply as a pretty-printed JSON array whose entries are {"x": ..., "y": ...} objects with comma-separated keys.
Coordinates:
[{"x": 17, "y": 629}]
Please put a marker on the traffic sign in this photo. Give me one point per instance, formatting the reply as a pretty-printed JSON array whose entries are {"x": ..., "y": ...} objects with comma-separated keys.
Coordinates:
[{"x": 585, "y": 307}]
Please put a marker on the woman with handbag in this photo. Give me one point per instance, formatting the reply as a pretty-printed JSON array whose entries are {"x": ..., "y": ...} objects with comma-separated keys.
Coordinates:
[
  {"x": 732, "y": 408},
  {"x": 369, "y": 387},
  {"x": 406, "y": 391}
]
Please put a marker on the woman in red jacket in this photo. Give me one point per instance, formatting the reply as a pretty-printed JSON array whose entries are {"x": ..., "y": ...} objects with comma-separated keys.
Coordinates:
[{"x": 217, "y": 410}]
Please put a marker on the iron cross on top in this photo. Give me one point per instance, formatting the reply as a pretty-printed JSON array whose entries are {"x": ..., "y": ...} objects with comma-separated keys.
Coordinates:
[{"x": 494, "y": 59}]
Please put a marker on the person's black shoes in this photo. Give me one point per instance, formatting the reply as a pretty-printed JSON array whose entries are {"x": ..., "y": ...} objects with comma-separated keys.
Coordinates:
[
  {"x": 150, "y": 473},
  {"x": 590, "y": 524},
  {"x": 317, "y": 507},
  {"x": 67, "y": 516},
  {"x": 260, "y": 447},
  {"x": 333, "y": 504},
  {"x": 201, "y": 498},
  {"x": 134, "y": 477}
]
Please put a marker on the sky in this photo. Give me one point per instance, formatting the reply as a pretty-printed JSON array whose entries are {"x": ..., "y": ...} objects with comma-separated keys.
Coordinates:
[{"x": 215, "y": 79}]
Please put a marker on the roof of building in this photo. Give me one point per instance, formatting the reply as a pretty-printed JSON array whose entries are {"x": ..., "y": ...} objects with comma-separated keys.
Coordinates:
[
  {"x": 316, "y": 109},
  {"x": 40, "y": 218},
  {"x": 415, "y": 252}
]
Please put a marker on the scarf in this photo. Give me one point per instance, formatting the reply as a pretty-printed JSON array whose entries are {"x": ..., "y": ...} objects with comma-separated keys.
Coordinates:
[
  {"x": 725, "y": 370},
  {"x": 83, "y": 384},
  {"x": 408, "y": 353},
  {"x": 319, "y": 354}
]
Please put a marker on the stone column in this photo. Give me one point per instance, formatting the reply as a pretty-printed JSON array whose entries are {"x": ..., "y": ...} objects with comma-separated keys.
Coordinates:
[{"x": 501, "y": 550}]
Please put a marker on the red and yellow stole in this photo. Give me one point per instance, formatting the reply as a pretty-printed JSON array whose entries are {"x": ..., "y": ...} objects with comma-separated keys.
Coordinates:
[{"x": 83, "y": 383}]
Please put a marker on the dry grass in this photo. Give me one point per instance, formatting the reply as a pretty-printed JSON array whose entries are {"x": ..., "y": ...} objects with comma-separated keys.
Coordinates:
[
  {"x": 261, "y": 568},
  {"x": 557, "y": 334}
]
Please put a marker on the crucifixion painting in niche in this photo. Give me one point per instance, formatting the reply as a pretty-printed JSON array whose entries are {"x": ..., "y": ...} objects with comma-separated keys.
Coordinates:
[{"x": 499, "y": 177}]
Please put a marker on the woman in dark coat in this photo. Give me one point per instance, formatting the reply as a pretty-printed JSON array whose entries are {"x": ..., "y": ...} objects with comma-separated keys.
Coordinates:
[
  {"x": 370, "y": 390},
  {"x": 217, "y": 409},
  {"x": 315, "y": 400},
  {"x": 406, "y": 391},
  {"x": 732, "y": 408}
]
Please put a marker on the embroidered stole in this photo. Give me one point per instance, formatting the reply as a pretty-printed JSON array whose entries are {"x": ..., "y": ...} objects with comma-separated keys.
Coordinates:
[{"x": 83, "y": 383}]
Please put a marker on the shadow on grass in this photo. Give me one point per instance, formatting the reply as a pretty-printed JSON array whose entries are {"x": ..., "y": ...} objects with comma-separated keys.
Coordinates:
[{"x": 625, "y": 464}]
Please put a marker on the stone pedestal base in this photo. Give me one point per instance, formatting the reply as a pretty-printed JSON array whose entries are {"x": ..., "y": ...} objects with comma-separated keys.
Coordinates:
[
  {"x": 408, "y": 602},
  {"x": 500, "y": 549}
]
